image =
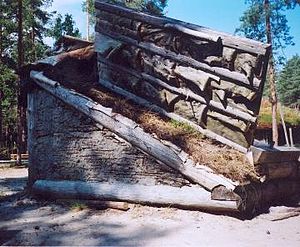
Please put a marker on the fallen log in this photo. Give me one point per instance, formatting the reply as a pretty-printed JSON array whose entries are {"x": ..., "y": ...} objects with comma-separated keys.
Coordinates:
[
  {"x": 95, "y": 204},
  {"x": 193, "y": 197}
]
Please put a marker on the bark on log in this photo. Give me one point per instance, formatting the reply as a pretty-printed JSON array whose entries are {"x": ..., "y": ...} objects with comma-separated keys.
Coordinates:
[
  {"x": 186, "y": 197},
  {"x": 128, "y": 130},
  {"x": 180, "y": 91},
  {"x": 228, "y": 40}
]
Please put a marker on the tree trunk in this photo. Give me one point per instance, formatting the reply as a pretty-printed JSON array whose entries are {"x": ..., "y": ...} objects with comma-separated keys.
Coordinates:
[
  {"x": 272, "y": 73},
  {"x": 21, "y": 115},
  {"x": 87, "y": 20},
  {"x": 1, "y": 122}
]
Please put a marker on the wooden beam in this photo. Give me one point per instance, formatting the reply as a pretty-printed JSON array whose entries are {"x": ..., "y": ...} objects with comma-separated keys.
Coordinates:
[
  {"x": 129, "y": 131},
  {"x": 193, "y": 197}
]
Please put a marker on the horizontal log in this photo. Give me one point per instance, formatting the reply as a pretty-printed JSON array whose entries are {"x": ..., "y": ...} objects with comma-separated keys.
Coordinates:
[
  {"x": 221, "y": 72},
  {"x": 193, "y": 197},
  {"x": 193, "y": 33},
  {"x": 174, "y": 116},
  {"x": 129, "y": 131},
  {"x": 236, "y": 42},
  {"x": 181, "y": 91},
  {"x": 154, "y": 20}
]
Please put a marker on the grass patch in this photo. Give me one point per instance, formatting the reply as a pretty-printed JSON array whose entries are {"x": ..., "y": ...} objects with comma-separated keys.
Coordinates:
[
  {"x": 77, "y": 206},
  {"x": 291, "y": 116}
]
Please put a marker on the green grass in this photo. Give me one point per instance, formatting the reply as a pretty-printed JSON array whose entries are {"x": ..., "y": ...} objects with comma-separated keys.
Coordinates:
[
  {"x": 291, "y": 116},
  {"x": 78, "y": 206},
  {"x": 184, "y": 126}
]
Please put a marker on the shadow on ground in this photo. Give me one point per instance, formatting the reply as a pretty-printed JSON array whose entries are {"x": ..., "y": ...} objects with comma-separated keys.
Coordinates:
[{"x": 26, "y": 221}]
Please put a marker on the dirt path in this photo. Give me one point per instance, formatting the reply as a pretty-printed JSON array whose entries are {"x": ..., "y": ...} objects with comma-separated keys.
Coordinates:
[
  {"x": 12, "y": 180},
  {"x": 25, "y": 221}
]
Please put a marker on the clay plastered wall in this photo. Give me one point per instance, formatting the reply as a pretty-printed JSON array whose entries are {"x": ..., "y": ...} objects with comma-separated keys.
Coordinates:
[
  {"x": 212, "y": 79},
  {"x": 64, "y": 144}
]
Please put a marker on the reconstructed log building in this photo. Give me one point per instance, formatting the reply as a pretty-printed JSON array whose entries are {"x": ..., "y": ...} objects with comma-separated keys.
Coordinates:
[{"x": 91, "y": 112}]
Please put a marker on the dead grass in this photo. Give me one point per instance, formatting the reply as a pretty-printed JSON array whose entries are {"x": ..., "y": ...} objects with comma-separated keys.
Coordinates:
[{"x": 220, "y": 158}]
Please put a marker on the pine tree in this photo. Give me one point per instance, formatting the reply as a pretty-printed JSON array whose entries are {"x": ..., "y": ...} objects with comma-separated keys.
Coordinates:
[
  {"x": 289, "y": 82},
  {"x": 63, "y": 26},
  {"x": 22, "y": 29}
]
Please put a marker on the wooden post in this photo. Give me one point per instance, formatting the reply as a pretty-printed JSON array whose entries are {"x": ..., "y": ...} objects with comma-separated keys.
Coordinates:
[
  {"x": 1, "y": 121},
  {"x": 291, "y": 137},
  {"x": 283, "y": 125},
  {"x": 20, "y": 64},
  {"x": 87, "y": 20}
]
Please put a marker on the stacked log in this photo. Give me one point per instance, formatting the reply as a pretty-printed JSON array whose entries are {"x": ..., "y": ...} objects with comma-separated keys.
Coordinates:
[{"x": 208, "y": 79}]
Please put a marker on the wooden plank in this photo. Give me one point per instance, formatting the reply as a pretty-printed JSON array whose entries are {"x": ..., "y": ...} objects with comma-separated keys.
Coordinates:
[
  {"x": 228, "y": 40},
  {"x": 129, "y": 131},
  {"x": 193, "y": 197}
]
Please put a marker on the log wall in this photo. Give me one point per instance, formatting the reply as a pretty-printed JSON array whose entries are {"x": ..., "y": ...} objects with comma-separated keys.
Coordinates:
[
  {"x": 65, "y": 144},
  {"x": 211, "y": 79}
]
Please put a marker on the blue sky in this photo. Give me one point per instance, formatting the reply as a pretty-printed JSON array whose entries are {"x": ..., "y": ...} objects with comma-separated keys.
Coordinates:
[{"x": 222, "y": 15}]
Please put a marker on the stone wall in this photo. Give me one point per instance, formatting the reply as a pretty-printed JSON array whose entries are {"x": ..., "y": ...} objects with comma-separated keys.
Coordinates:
[{"x": 65, "y": 144}]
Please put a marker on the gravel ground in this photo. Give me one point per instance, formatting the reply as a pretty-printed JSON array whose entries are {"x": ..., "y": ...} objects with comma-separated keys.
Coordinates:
[{"x": 26, "y": 221}]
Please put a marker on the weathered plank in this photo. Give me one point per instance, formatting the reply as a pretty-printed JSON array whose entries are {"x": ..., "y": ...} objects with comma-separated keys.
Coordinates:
[{"x": 261, "y": 155}]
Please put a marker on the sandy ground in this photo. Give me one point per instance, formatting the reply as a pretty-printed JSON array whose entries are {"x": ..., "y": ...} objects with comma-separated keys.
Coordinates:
[{"x": 26, "y": 221}]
